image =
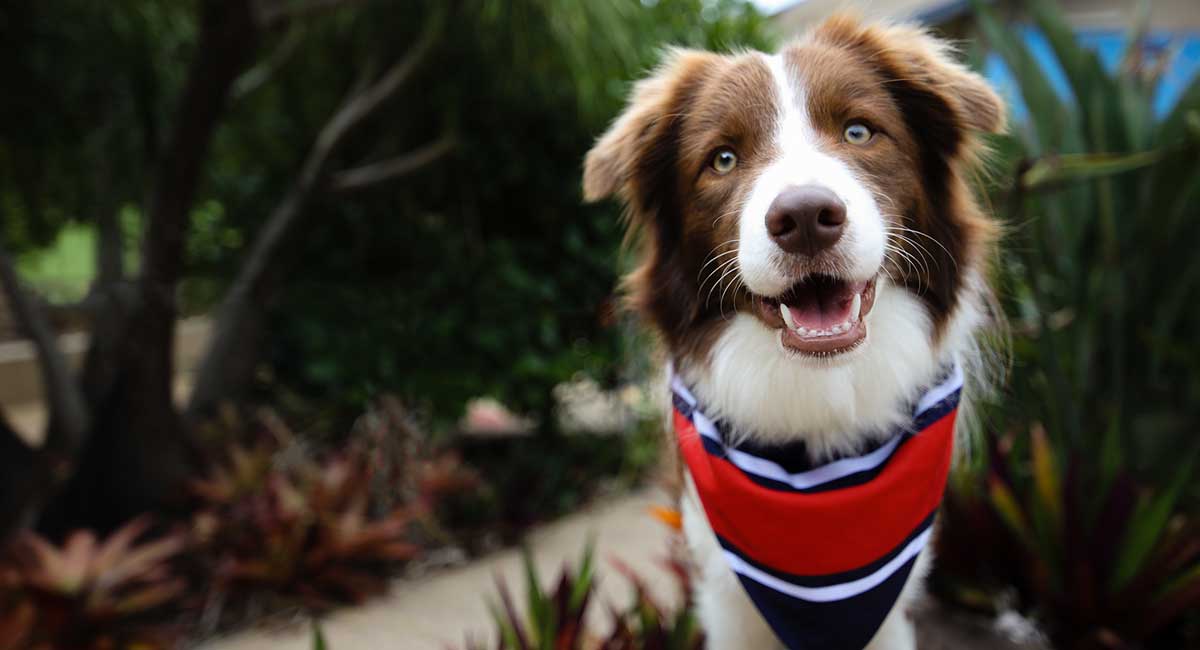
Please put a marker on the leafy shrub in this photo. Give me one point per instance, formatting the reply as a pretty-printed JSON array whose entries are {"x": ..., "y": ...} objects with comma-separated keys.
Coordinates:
[
  {"x": 90, "y": 594},
  {"x": 1098, "y": 193},
  {"x": 485, "y": 274},
  {"x": 570, "y": 470}
]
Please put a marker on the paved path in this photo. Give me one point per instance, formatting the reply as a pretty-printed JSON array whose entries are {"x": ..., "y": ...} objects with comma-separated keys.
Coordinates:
[{"x": 438, "y": 611}]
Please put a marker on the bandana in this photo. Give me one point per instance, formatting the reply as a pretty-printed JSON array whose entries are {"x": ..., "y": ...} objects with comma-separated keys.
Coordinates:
[{"x": 823, "y": 551}]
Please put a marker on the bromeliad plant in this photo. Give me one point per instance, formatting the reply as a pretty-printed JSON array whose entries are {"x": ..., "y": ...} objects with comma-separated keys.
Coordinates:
[
  {"x": 557, "y": 620},
  {"x": 280, "y": 527},
  {"x": 90, "y": 594},
  {"x": 1104, "y": 561},
  {"x": 303, "y": 536},
  {"x": 1092, "y": 517}
]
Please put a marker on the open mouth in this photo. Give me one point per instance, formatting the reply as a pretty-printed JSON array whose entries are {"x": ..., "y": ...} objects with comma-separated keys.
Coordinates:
[{"x": 821, "y": 315}]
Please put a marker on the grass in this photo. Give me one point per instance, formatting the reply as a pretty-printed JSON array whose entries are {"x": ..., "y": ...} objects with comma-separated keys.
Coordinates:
[{"x": 63, "y": 271}]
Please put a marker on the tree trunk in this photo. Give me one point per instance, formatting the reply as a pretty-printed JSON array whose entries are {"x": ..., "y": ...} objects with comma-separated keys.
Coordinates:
[
  {"x": 22, "y": 481},
  {"x": 110, "y": 248},
  {"x": 136, "y": 455}
]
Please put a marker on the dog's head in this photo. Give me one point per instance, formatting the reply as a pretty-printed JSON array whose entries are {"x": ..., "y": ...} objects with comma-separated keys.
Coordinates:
[{"x": 795, "y": 190}]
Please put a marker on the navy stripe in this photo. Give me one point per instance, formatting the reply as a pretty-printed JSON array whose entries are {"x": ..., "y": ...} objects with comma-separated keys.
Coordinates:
[
  {"x": 715, "y": 448},
  {"x": 681, "y": 405},
  {"x": 831, "y": 578},
  {"x": 839, "y": 625},
  {"x": 937, "y": 411},
  {"x": 794, "y": 457}
]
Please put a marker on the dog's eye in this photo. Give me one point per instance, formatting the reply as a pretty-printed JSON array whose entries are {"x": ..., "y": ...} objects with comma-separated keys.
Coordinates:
[
  {"x": 724, "y": 160},
  {"x": 857, "y": 133}
]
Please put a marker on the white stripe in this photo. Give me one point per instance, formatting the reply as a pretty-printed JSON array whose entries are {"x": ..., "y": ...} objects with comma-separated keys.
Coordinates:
[
  {"x": 706, "y": 427},
  {"x": 832, "y": 592},
  {"x": 813, "y": 477},
  {"x": 941, "y": 391},
  {"x": 678, "y": 387}
]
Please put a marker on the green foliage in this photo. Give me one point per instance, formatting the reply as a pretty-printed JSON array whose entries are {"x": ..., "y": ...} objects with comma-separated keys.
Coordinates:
[
  {"x": 86, "y": 88},
  {"x": 1100, "y": 199},
  {"x": 483, "y": 274},
  {"x": 556, "y": 620},
  {"x": 570, "y": 470},
  {"x": 318, "y": 636},
  {"x": 1099, "y": 195},
  {"x": 1099, "y": 567}
]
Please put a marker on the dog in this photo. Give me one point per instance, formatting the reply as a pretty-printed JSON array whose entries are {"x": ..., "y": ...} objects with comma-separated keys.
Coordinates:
[{"x": 814, "y": 262}]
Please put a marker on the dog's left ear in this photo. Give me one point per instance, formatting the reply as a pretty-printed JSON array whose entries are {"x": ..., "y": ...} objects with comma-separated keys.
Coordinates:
[
  {"x": 922, "y": 69},
  {"x": 641, "y": 133},
  {"x": 969, "y": 95}
]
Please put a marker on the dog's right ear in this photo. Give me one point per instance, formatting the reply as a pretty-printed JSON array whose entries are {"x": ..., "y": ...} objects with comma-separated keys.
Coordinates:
[{"x": 609, "y": 167}]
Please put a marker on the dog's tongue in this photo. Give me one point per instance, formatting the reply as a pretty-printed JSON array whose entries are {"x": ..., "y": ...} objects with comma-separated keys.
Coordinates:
[{"x": 820, "y": 303}]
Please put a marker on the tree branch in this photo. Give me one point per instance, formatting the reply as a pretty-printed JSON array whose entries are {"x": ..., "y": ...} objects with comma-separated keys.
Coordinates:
[
  {"x": 259, "y": 75},
  {"x": 385, "y": 170},
  {"x": 275, "y": 13},
  {"x": 363, "y": 103},
  {"x": 228, "y": 37},
  {"x": 228, "y": 363},
  {"x": 68, "y": 411}
]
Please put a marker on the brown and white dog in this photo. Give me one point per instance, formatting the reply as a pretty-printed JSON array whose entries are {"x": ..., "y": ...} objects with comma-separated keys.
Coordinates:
[{"x": 811, "y": 251}]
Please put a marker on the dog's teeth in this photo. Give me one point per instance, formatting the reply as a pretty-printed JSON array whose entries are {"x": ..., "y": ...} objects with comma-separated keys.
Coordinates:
[
  {"x": 855, "y": 307},
  {"x": 787, "y": 316},
  {"x": 838, "y": 329},
  {"x": 802, "y": 331}
]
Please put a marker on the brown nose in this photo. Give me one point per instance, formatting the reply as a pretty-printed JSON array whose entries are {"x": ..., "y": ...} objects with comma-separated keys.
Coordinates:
[{"x": 806, "y": 219}]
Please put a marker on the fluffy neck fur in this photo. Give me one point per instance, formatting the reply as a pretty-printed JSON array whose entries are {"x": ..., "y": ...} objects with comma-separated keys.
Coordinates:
[{"x": 837, "y": 406}]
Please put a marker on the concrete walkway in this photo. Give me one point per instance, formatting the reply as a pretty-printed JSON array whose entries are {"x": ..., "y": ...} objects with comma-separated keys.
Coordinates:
[{"x": 439, "y": 611}]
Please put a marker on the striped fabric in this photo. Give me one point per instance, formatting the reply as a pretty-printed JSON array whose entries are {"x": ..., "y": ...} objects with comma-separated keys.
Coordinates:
[{"x": 822, "y": 550}]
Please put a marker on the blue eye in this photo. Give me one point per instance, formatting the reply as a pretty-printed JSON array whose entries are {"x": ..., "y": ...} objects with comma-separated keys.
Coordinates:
[
  {"x": 857, "y": 133},
  {"x": 724, "y": 160}
]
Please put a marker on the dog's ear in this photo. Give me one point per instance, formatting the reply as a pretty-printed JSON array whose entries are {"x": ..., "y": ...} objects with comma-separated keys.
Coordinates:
[
  {"x": 921, "y": 68},
  {"x": 609, "y": 167}
]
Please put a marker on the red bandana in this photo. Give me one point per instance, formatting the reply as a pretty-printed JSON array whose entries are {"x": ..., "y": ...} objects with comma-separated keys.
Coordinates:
[{"x": 823, "y": 551}]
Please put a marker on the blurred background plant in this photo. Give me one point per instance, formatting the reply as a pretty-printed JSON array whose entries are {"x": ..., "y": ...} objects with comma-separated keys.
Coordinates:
[{"x": 1084, "y": 510}]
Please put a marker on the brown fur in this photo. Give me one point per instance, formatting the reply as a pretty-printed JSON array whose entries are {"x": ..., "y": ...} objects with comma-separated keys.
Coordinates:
[{"x": 899, "y": 80}]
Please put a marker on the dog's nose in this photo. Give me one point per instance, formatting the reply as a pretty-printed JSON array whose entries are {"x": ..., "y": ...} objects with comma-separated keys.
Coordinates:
[{"x": 807, "y": 219}]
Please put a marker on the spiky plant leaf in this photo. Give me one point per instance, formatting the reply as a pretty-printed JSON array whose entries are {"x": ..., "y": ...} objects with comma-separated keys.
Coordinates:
[{"x": 1148, "y": 523}]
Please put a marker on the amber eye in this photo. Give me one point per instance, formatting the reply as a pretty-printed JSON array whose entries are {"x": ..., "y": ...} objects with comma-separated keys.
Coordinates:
[
  {"x": 857, "y": 133},
  {"x": 724, "y": 160}
]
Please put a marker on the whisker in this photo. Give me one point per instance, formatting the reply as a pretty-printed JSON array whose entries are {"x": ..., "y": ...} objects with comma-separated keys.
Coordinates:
[
  {"x": 724, "y": 265},
  {"x": 713, "y": 259},
  {"x": 721, "y": 301},
  {"x": 921, "y": 250},
  {"x": 932, "y": 239}
]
